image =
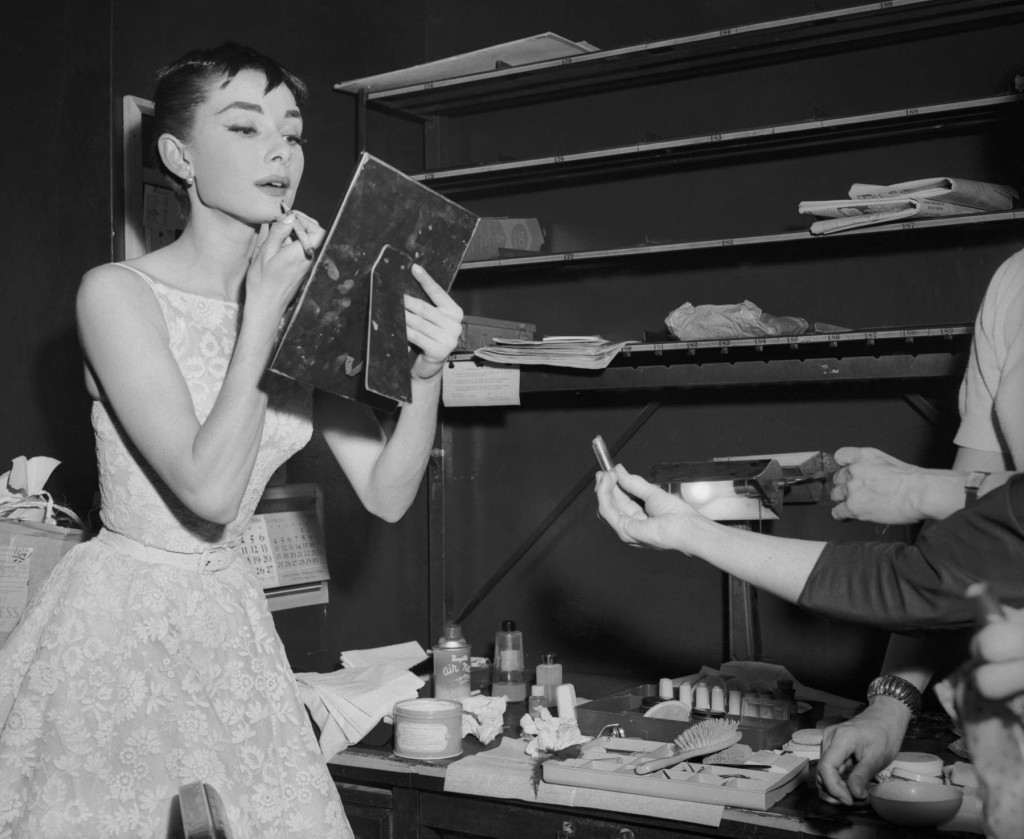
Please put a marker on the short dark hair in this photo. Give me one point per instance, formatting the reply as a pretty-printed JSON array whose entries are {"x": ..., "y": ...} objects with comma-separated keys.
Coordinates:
[{"x": 182, "y": 85}]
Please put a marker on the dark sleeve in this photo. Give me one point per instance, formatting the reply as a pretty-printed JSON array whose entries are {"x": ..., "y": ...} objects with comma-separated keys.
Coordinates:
[{"x": 919, "y": 588}]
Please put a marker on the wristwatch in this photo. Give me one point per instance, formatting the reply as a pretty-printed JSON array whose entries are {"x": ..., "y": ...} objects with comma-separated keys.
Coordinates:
[
  {"x": 972, "y": 485},
  {"x": 897, "y": 688}
]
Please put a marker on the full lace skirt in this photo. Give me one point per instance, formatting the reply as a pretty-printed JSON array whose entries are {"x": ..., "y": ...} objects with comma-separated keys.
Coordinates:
[{"x": 128, "y": 678}]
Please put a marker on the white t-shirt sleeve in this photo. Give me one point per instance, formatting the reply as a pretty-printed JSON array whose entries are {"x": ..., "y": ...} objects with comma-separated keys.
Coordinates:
[{"x": 995, "y": 369}]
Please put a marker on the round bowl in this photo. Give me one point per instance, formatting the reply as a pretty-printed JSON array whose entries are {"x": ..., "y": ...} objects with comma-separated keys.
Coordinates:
[{"x": 915, "y": 803}]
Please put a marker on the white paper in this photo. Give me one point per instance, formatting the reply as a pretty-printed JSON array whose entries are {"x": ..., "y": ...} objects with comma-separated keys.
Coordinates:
[
  {"x": 545, "y": 47},
  {"x": 466, "y": 383},
  {"x": 404, "y": 656}
]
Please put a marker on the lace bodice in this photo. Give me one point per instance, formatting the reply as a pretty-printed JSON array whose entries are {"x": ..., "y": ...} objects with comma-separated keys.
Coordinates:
[{"x": 135, "y": 502}]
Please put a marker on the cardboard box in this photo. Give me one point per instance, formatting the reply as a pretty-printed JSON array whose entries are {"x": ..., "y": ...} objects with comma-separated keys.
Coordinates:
[
  {"x": 493, "y": 235},
  {"x": 479, "y": 332}
]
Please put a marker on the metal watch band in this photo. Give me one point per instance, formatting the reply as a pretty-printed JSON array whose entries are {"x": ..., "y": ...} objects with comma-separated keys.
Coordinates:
[
  {"x": 972, "y": 485},
  {"x": 897, "y": 688}
]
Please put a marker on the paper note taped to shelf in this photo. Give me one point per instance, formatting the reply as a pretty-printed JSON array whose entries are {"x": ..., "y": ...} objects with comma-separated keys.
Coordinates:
[{"x": 467, "y": 383}]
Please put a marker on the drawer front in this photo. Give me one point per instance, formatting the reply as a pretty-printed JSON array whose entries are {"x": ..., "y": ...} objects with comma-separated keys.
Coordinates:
[
  {"x": 465, "y": 816},
  {"x": 369, "y": 811}
]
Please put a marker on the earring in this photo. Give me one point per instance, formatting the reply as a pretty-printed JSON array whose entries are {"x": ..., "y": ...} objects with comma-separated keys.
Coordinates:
[{"x": 190, "y": 179}]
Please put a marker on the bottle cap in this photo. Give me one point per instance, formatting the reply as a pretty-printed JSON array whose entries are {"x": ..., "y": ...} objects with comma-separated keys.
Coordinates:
[
  {"x": 547, "y": 658},
  {"x": 451, "y": 636},
  {"x": 508, "y": 626},
  {"x": 536, "y": 690}
]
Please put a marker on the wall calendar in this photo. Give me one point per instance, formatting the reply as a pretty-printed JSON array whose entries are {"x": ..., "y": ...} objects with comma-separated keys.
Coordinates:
[{"x": 284, "y": 541}]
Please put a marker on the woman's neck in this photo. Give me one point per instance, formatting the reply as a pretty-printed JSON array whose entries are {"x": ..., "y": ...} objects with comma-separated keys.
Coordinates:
[{"x": 209, "y": 261}]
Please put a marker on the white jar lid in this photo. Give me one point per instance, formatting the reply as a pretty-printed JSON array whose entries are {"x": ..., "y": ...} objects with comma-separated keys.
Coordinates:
[{"x": 921, "y": 763}]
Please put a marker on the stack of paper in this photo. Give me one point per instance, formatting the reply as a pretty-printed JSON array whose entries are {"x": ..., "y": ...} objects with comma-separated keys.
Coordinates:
[
  {"x": 405, "y": 656},
  {"x": 346, "y": 704},
  {"x": 591, "y": 352},
  {"x": 927, "y": 198}
]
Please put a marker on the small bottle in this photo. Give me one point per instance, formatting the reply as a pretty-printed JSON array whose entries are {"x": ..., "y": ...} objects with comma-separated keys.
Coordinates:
[
  {"x": 509, "y": 664},
  {"x": 451, "y": 664},
  {"x": 537, "y": 701},
  {"x": 549, "y": 676},
  {"x": 787, "y": 693}
]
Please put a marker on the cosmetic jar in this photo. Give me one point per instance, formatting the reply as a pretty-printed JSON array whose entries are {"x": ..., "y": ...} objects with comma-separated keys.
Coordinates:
[{"x": 428, "y": 729}]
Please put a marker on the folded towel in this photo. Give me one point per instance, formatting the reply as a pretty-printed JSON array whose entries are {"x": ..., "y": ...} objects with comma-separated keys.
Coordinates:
[{"x": 347, "y": 704}]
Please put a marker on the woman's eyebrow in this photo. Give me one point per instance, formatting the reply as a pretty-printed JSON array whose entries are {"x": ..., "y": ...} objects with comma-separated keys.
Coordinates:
[{"x": 258, "y": 109}]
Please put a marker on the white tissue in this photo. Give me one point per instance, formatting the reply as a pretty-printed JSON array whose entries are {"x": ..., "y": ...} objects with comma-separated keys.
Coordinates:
[
  {"x": 550, "y": 734},
  {"x": 353, "y": 701},
  {"x": 483, "y": 716},
  {"x": 22, "y": 493}
]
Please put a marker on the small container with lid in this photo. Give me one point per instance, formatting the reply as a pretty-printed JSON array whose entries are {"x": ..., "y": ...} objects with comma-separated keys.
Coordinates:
[
  {"x": 549, "y": 676},
  {"x": 536, "y": 701},
  {"x": 428, "y": 729},
  {"x": 914, "y": 766}
]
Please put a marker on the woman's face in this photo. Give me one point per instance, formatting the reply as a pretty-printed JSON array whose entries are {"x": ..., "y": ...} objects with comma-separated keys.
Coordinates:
[{"x": 245, "y": 149}]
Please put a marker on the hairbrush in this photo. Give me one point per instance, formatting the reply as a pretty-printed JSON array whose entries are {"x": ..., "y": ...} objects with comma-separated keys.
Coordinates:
[{"x": 700, "y": 739}]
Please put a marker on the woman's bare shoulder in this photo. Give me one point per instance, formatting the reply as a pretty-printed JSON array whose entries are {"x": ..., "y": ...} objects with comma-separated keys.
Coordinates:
[{"x": 114, "y": 284}]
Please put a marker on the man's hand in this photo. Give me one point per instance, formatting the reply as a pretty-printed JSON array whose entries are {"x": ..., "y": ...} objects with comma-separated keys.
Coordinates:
[
  {"x": 999, "y": 648},
  {"x": 853, "y": 752},
  {"x": 876, "y": 487}
]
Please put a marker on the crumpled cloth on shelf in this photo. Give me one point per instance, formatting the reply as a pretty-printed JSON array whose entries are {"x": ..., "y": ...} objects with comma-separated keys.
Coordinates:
[
  {"x": 347, "y": 704},
  {"x": 732, "y": 320}
]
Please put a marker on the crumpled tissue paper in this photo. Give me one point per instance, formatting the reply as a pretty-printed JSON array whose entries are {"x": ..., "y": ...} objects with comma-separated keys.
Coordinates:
[
  {"x": 550, "y": 735},
  {"x": 732, "y": 320},
  {"x": 483, "y": 716},
  {"x": 23, "y": 498}
]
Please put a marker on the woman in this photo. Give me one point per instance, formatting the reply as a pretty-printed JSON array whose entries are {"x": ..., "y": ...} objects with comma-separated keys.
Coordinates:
[{"x": 149, "y": 658}]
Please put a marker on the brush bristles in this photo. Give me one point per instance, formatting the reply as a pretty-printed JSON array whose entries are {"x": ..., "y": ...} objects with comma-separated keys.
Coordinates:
[{"x": 706, "y": 733}]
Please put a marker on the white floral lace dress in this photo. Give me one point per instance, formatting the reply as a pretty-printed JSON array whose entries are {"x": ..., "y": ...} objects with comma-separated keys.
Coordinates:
[{"x": 149, "y": 659}]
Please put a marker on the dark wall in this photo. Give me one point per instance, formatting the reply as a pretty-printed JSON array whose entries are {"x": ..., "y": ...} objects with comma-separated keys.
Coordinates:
[
  {"x": 55, "y": 187},
  {"x": 69, "y": 65}
]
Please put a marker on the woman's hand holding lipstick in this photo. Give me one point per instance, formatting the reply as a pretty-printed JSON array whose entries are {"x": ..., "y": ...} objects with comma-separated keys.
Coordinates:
[{"x": 304, "y": 230}]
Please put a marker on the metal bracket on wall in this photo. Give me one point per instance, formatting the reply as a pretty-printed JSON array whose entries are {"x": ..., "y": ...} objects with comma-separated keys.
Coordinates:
[{"x": 583, "y": 483}]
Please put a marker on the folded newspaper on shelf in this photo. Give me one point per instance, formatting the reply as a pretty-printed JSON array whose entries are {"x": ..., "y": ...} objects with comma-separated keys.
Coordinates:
[
  {"x": 590, "y": 352},
  {"x": 846, "y": 215},
  {"x": 961, "y": 191},
  {"x": 926, "y": 198}
]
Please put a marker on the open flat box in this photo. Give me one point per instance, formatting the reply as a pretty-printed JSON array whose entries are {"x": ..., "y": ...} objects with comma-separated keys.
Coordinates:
[
  {"x": 623, "y": 708},
  {"x": 752, "y": 789}
]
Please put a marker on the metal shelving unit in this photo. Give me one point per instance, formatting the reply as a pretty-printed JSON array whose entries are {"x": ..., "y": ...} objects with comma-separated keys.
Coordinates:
[
  {"x": 920, "y": 119},
  {"x": 896, "y": 353},
  {"x": 929, "y": 352},
  {"x": 756, "y": 43}
]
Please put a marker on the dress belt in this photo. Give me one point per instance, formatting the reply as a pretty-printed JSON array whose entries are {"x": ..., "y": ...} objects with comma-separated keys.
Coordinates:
[{"x": 208, "y": 561}]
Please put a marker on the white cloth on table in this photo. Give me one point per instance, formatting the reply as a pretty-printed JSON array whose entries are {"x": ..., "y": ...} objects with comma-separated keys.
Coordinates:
[{"x": 347, "y": 704}]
